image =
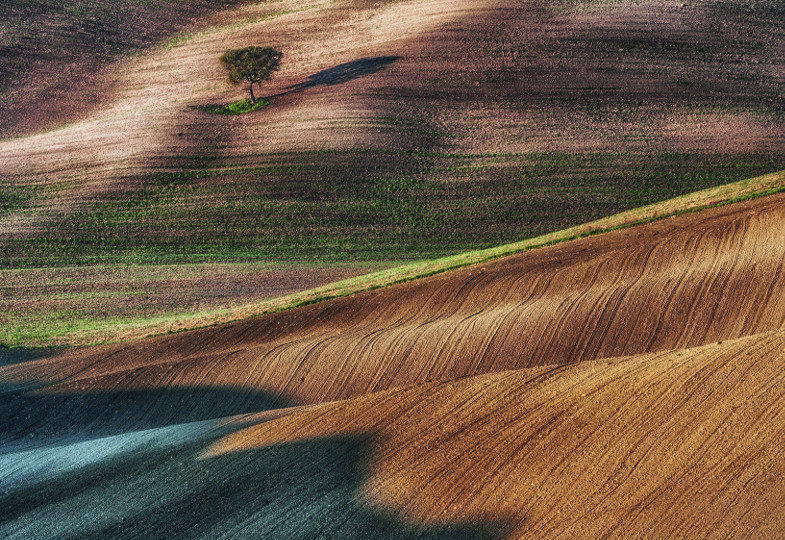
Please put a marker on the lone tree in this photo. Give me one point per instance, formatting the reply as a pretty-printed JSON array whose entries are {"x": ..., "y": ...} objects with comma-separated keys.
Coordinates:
[{"x": 251, "y": 65}]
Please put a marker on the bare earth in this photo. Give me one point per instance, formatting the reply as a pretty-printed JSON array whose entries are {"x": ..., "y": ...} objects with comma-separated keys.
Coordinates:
[
  {"x": 628, "y": 384},
  {"x": 410, "y": 74},
  {"x": 614, "y": 385}
]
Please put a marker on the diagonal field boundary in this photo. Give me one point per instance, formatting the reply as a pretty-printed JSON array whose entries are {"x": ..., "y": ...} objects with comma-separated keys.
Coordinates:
[{"x": 692, "y": 202}]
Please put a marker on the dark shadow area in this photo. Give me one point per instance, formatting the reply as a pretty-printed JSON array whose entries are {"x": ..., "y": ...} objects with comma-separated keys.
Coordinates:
[
  {"x": 308, "y": 489},
  {"x": 17, "y": 355},
  {"x": 339, "y": 74},
  {"x": 342, "y": 73},
  {"x": 34, "y": 419}
]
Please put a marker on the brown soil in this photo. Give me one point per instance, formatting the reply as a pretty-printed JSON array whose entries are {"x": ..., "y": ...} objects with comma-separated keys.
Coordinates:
[
  {"x": 53, "y": 55},
  {"x": 441, "y": 75},
  {"x": 671, "y": 284},
  {"x": 683, "y": 437},
  {"x": 627, "y": 384},
  {"x": 682, "y": 443}
]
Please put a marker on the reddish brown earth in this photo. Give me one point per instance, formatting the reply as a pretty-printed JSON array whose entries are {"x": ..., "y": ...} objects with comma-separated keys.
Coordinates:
[
  {"x": 614, "y": 385},
  {"x": 53, "y": 54},
  {"x": 682, "y": 443},
  {"x": 672, "y": 284},
  {"x": 626, "y": 384},
  {"x": 638, "y": 77}
]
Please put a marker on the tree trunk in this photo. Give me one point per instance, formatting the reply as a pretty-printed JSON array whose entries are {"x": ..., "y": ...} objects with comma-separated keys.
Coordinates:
[{"x": 253, "y": 98}]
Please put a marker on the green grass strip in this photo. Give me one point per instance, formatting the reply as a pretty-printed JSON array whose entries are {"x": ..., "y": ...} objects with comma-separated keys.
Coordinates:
[
  {"x": 238, "y": 107},
  {"x": 717, "y": 196}
]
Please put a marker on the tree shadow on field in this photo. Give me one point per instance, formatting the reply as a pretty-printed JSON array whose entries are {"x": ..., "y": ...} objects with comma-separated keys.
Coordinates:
[
  {"x": 162, "y": 488},
  {"x": 342, "y": 73},
  {"x": 203, "y": 140}
]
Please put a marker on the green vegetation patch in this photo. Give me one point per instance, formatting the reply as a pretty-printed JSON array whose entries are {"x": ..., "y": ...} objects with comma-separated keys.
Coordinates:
[
  {"x": 365, "y": 205},
  {"x": 13, "y": 196},
  {"x": 238, "y": 107},
  {"x": 94, "y": 304},
  {"x": 52, "y": 305}
]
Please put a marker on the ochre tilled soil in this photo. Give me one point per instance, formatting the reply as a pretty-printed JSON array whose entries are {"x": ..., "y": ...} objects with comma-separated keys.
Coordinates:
[{"x": 625, "y": 384}]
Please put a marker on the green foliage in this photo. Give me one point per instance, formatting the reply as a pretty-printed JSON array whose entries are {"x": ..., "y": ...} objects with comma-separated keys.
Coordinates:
[
  {"x": 251, "y": 64},
  {"x": 46, "y": 320},
  {"x": 238, "y": 107}
]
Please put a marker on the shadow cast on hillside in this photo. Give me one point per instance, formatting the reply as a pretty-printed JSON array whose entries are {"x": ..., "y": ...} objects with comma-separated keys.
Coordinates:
[
  {"x": 342, "y": 73},
  {"x": 346, "y": 72},
  {"x": 204, "y": 139},
  {"x": 17, "y": 355},
  {"x": 33, "y": 419},
  {"x": 161, "y": 489}
]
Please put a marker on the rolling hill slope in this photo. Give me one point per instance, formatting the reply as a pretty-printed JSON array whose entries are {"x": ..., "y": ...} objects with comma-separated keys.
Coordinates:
[
  {"x": 675, "y": 283},
  {"x": 622, "y": 377},
  {"x": 399, "y": 129},
  {"x": 612, "y": 385},
  {"x": 683, "y": 443}
]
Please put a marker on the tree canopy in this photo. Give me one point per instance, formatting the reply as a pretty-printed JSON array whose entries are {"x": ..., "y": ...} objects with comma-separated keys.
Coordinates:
[{"x": 251, "y": 65}]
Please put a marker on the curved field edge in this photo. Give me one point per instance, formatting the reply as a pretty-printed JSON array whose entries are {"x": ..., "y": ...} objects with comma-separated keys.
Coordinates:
[
  {"x": 136, "y": 329},
  {"x": 620, "y": 445},
  {"x": 683, "y": 441},
  {"x": 47, "y": 303}
]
